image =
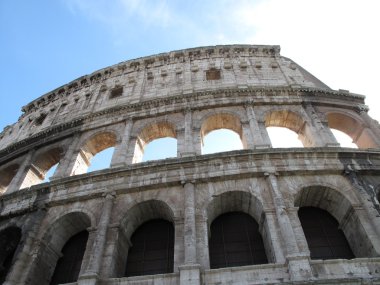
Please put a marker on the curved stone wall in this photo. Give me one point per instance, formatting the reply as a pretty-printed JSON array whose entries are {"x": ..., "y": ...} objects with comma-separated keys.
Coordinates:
[{"x": 186, "y": 95}]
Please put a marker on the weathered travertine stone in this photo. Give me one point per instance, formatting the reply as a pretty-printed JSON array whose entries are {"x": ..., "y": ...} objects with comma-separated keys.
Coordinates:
[{"x": 186, "y": 95}]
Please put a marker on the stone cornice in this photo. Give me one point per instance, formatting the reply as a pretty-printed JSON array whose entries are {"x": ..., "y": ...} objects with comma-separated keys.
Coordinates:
[
  {"x": 220, "y": 166},
  {"x": 151, "y": 61}
]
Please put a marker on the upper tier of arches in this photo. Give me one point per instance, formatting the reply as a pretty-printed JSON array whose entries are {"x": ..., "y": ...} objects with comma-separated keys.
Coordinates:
[{"x": 127, "y": 139}]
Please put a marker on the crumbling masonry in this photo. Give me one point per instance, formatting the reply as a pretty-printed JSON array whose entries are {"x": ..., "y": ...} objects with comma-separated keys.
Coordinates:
[{"x": 260, "y": 215}]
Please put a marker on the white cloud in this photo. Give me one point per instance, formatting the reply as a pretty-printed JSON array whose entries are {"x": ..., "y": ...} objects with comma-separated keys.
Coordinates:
[{"x": 336, "y": 40}]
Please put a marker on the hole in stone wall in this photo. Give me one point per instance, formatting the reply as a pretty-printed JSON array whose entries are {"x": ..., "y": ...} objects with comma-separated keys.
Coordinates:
[
  {"x": 160, "y": 149},
  {"x": 213, "y": 74},
  {"x": 221, "y": 140},
  {"x": 283, "y": 137},
  {"x": 40, "y": 119},
  {"x": 116, "y": 92}
]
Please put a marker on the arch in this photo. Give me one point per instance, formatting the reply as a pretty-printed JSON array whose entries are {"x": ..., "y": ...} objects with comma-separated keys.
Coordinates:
[
  {"x": 145, "y": 211},
  {"x": 152, "y": 250},
  {"x": 243, "y": 202},
  {"x": 292, "y": 121},
  {"x": 69, "y": 264},
  {"x": 9, "y": 240},
  {"x": 235, "y": 241},
  {"x": 6, "y": 176},
  {"x": 135, "y": 217},
  {"x": 285, "y": 119},
  {"x": 60, "y": 231},
  {"x": 42, "y": 162},
  {"x": 234, "y": 201},
  {"x": 340, "y": 207},
  {"x": 220, "y": 121},
  {"x": 152, "y": 132},
  {"x": 352, "y": 127},
  {"x": 324, "y": 238},
  {"x": 92, "y": 146}
]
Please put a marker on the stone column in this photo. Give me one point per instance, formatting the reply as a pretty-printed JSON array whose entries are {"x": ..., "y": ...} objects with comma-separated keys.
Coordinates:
[
  {"x": 247, "y": 138},
  {"x": 202, "y": 237},
  {"x": 197, "y": 141},
  {"x": 259, "y": 133},
  {"x": 373, "y": 125},
  {"x": 298, "y": 264},
  {"x": 188, "y": 146},
  {"x": 319, "y": 131},
  {"x": 119, "y": 157},
  {"x": 190, "y": 270},
  {"x": 24, "y": 260},
  {"x": 66, "y": 164},
  {"x": 91, "y": 274},
  {"x": 270, "y": 231},
  {"x": 303, "y": 247},
  {"x": 365, "y": 200},
  {"x": 20, "y": 176}
]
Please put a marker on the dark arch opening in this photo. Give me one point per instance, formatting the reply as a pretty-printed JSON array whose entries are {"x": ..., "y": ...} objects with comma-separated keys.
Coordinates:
[
  {"x": 9, "y": 240},
  {"x": 235, "y": 241},
  {"x": 68, "y": 266},
  {"x": 324, "y": 238},
  {"x": 152, "y": 250}
]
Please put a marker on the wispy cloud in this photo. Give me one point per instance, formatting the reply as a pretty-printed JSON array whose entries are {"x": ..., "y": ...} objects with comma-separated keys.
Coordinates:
[{"x": 118, "y": 15}]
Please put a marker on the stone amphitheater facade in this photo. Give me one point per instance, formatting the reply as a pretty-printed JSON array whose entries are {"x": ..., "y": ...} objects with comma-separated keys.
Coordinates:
[{"x": 185, "y": 95}]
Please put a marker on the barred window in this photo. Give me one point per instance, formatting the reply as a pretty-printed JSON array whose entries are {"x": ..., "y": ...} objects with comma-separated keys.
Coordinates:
[
  {"x": 236, "y": 241},
  {"x": 324, "y": 238},
  {"x": 68, "y": 266},
  {"x": 152, "y": 250}
]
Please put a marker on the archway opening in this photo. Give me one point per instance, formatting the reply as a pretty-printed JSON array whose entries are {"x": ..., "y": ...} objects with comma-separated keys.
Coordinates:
[
  {"x": 343, "y": 139},
  {"x": 161, "y": 134},
  {"x": 283, "y": 137},
  {"x": 41, "y": 166},
  {"x": 235, "y": 241},
  {"x": 137, "y": 216},
  {"x": 59, "y": 236},
  {"x": 152, "y": 250},
  {"x": 101, "y": 160},
  {"x": 101, "y": 145},
  {"x": 222, "y": 132},
  {"x": 160, "y": 149},
  {"x": 340, "y": 208},
  {"x": 221, "y": 140},
  {"x": 287, "y": 129},
  {"x": 50, "y": 173},
  {"x": 359, "y": 135},
  {"x": 69, "y": 264},
  {"x": 9, "y": 240},
  {"x": 324, "y": 238}
]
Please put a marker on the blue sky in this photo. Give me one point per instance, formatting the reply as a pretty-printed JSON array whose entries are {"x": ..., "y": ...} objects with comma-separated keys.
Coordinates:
[{"x": 47, "y": 43}]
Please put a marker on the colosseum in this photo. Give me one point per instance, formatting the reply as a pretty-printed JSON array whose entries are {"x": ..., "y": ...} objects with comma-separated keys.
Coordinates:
[{"x": 256, "y": 215}]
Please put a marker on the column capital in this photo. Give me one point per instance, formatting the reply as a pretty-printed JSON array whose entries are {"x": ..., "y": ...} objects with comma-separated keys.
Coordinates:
[
  {"x": 184, "y": 182},
  {"x": 109, "y": 195},
  {"x": 271, "y": 173}
]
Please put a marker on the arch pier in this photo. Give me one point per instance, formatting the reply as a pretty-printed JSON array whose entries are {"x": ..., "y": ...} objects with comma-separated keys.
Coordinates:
[{"x": 253, "y": 214}]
